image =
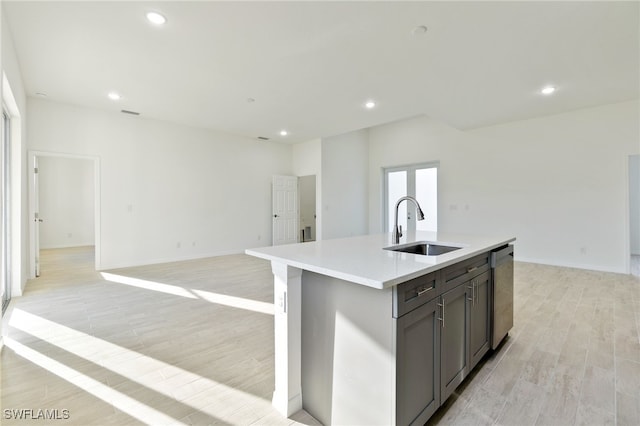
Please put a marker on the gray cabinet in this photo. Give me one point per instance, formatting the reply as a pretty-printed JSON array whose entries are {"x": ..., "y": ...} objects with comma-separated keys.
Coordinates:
[
  {"x": 479, "y": 289},
  {"x": 418, "y": 365},
  {"x": 454, "y": 360},
  {"x": 442, "y": 325}
]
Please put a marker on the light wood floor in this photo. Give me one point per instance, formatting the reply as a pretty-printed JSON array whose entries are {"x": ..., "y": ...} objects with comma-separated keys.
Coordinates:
[
  {"x": 192, "y": 343},
  {"x": 178, "y": 343}
]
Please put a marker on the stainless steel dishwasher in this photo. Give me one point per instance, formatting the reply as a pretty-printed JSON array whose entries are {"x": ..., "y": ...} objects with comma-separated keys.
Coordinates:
[{"x": 502, "y": 306}]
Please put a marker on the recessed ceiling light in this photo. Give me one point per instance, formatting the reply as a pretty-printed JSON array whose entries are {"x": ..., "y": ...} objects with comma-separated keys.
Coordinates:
[
  {"x": 156, "y": 18},
  {"x": 370, "y": 104},
  {"x": 114, "y": 96},
  {"x": 283, "y": 133},
  {"x": 548, "y": 90}
]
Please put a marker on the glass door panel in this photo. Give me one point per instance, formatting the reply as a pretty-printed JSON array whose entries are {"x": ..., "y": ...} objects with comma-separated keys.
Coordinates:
[
  {"x": 396, "y": 188},
  {"x": 426, "y": 194}
]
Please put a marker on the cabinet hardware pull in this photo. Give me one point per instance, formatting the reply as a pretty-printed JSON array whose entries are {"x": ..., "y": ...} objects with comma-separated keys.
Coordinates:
[
  {"x": 442, "y": 306},
  {"x": 471, "y": 269},
  {"x": 423, "y": 291},
  {"x": 470, "y": 287},
  {"x": 475, "y": 284}
]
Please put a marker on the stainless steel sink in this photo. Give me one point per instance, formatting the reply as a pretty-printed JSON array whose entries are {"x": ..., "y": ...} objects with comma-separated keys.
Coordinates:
[{"x": 424, "y": 248}]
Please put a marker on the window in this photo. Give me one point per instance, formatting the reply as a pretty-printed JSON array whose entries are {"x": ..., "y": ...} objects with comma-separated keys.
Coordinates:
[{"x": 419, "y": 181}]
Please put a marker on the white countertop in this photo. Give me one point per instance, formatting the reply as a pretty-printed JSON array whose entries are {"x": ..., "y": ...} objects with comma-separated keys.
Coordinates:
[{"x": 363, "y": 259}]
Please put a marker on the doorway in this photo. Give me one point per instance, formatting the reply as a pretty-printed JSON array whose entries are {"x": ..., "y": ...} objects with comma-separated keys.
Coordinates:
[
  {"x": 64, "y": 204},
  {"x": 307, "y": 197},
  {"x": 419, "y": 181}
]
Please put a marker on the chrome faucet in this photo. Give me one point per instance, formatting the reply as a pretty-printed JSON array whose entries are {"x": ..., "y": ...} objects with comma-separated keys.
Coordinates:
[{"x": 397, "y": 230}]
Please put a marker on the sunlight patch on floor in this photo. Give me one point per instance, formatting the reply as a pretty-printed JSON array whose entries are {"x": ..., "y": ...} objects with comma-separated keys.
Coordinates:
[
  {"x": 148, "y": 285},
  {"x": 122, "y": 402},
  {"x": 217, "y": 298},
  {"x": 137, "y": 367},
  {"x": 236, "y": 302}
]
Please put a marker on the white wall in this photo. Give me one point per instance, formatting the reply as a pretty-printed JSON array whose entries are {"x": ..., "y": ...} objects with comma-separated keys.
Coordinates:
[
  {"x": 307, "y": 158},
  {"x": 168, "y": 192},
  {"x": 422, "y": 140},
  {"x": 15, "y": 98},
  {"x": 345, "y": 185},
  {"x": 66, "y": 189},
  {"x": 634, "y": 203},
  {"x": 558, "y": 183}
]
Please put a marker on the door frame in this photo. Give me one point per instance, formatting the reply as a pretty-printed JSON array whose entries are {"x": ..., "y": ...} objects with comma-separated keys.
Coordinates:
[
  {"x": 6, "y": 215},
  {"x": 33, "y": 229}
]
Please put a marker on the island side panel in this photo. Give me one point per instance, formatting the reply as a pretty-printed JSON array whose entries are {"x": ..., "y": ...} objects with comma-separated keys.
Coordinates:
[
  {"x": 348, "y": 352},
  {"x": 287, "y": 398}
]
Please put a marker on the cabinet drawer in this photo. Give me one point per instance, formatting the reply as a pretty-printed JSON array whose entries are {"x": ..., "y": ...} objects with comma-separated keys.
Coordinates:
[
  {"x": 465, "y": 270},
  {"x": 414, "y": 293}
]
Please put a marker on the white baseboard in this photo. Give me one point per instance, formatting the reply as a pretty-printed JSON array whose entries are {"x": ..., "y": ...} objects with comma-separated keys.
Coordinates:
[
  {"x": 588, "y": 267},
  {"x": 107, "y": 266}
]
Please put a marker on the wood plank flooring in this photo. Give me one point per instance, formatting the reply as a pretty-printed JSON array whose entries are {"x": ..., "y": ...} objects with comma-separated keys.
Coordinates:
[
  {"x": 178, "y": 343},
  {"x": 192, "y": 343},
  {"x": 572, "y": 358}
]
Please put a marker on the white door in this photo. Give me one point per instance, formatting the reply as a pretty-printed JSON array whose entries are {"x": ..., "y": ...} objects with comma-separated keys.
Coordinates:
[{"x": 285, "y": 210}]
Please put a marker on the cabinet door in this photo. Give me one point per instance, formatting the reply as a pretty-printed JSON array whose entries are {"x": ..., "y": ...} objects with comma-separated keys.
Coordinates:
[
  {"x": 454, "y": 354},
  {"x": 417, "y": 365},
  {"x": 479, "y": 327}
]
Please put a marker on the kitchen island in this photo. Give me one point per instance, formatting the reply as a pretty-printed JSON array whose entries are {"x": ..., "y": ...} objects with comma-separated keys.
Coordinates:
[{"x": 368, "y": 335}]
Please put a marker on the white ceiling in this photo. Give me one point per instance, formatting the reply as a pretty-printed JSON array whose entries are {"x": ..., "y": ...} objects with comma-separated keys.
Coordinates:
[{"x": 311, "y": 65}]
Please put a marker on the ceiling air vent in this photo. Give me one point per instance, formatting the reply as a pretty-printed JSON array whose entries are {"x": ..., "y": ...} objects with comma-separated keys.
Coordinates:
[
  {"x": 124, "y": 111},
  {"x": 262, "y": 138}
]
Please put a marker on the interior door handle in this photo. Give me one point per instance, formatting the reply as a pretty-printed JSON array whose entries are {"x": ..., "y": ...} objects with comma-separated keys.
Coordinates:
[{"x": 275, "y": 215}]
